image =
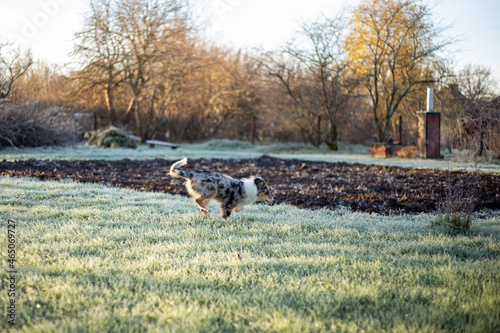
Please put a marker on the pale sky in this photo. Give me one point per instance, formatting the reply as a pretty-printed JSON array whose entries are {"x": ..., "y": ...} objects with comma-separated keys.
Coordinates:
[{"x": 47, "y": 26}]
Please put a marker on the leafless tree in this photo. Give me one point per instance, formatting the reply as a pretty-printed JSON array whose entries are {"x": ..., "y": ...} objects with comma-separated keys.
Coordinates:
[
  {"x": 470, "y": 112},
  {"x": 155, "y": 35},
  {"x": 136, "y": 48},
  {"x": 13, "y": 64},
  {"x": 97, "y": 46},
  {"x": 224, "y": 87},
  {"x": 474, "y": 82},
  {"x": 319, "y": 77},
  {"x": 396, "y": 46}
]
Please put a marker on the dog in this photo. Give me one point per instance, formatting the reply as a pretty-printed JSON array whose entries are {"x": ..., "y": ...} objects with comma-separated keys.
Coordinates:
[{"x": 233, "y": 194}]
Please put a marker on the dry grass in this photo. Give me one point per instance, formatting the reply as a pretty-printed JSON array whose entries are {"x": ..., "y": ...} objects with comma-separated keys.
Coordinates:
[{"x": 458, "y": 205}]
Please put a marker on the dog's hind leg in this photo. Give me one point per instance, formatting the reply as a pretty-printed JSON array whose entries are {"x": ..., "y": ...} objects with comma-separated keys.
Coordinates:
[{"x": 203, "y": 204}]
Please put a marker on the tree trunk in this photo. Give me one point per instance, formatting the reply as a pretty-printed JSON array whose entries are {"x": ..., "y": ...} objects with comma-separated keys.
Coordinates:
[
  {"x": 387, "y": 129},
  {"x": 332, "y": 143},
  {"x": 110, "y": 104},
  {"x": 380, "y": 132}
]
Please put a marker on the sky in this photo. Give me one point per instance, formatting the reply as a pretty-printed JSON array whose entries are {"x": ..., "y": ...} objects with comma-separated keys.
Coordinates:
[{"x": 47, "y": 27}]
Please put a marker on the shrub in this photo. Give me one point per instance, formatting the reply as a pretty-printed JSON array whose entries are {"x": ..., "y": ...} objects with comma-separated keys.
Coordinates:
[
  {"x": 28, "y": 125},
  {"x": 455, "y": 224},
  {"x": 458, "y": 205},
  {"x": 111, "y": 137}
]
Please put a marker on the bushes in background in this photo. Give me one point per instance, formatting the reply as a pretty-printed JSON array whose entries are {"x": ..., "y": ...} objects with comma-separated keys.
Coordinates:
[{"x": 28, "y": 125}]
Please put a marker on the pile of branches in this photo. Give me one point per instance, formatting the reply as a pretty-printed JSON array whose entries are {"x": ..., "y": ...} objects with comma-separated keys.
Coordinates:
[
  {"x": 28, "y": 125},
  {"x": 111, "y": 137}
]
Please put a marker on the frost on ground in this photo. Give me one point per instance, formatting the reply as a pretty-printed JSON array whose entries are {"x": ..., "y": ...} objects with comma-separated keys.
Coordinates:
[
  {"x": 305, "y": 184},
  {"x": 97, "y": 258}
]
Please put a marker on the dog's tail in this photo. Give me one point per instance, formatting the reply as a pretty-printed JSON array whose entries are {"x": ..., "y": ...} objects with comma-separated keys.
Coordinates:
[{"x": 174, "y": 172}]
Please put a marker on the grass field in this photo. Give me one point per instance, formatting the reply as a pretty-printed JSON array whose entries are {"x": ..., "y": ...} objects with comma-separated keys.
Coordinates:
[
  {"x": 238, "y": 149},
  {"x": 91, "y": 258}
]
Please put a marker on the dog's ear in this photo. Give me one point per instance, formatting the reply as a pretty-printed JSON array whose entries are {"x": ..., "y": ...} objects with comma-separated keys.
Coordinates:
[{"x": 259, "y": 182}]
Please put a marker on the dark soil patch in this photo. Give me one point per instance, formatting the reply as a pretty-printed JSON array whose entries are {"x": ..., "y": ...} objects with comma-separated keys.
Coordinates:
[{"x": 312, "y": 185}]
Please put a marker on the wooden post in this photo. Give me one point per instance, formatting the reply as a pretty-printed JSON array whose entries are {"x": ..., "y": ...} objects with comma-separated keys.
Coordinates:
[
  {"x": 481, "y": 143},
  {"x": 97, "y": 122},
  {"x": 428, "y": 134},
  {"x": 191, "y": 129},
  {"x": 254, "y": 121},
  {"x": 318, "y": 137},
  {"x": 401, "y": 130}
]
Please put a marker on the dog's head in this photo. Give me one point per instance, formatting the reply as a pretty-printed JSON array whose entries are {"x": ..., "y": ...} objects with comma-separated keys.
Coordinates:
[{"x": 263, "y": 192}]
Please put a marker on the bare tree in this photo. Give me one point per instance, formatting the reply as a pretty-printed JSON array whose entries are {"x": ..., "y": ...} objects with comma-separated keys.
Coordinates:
[
  {"x": 479, "y": 123},
  {"x": 224, "y": 87},
  {"x": 154, "y": 33},
  {"x": 395, "y": 44},
  {"x": 46, "y": 85},
  {"x": 98, "y": 48},
  {"x": 474, "y": 82},
  {"x": 13, "y": 64},
  {"x": 138, "y": 49},
  {"x": 318, "y": 78}
]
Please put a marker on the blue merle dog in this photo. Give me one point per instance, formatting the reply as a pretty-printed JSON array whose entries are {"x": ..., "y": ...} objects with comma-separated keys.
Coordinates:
[{"x": 232, "y": 193}]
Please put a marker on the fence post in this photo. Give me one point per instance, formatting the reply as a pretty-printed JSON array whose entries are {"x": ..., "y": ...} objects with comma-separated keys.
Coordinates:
[
  {"x": 254, "y": 121},
  {"x": 318, "y": 137},
  {"x": 401, "y": 130}
]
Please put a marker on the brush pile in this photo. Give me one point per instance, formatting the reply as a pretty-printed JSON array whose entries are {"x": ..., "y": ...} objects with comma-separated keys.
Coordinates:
[
  {"x": 111, "y": 137},
  {"x": 29, "y": 125}
]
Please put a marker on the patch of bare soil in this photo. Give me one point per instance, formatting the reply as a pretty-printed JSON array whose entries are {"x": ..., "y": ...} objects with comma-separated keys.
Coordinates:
[{"x": 312, "y": 185}]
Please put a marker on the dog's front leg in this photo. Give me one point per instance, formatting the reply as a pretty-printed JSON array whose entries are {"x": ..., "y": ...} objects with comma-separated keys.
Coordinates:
[
  {"x": 226, "y": 209},
  {"x": 238, "y": 208},
  {"x": 225, "y": 213}
]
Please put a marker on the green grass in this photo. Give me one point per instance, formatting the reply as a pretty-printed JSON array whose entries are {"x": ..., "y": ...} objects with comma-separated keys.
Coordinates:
[
  {"x": 238, "y": 149},
  {"x": 97, "y": 259}
]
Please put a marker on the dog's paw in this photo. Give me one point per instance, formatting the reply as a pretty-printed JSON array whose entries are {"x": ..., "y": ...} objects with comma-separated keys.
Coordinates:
[{"x": 206, "y": 213}]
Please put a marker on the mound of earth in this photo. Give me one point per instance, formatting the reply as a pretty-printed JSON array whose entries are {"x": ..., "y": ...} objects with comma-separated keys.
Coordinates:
[{"x": 312, "y": 185}]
